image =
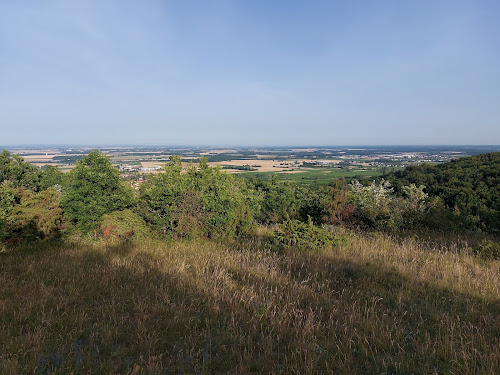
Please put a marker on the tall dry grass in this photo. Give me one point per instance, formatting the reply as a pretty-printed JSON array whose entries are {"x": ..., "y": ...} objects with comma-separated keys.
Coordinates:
[{"x": 374, "y": 304}]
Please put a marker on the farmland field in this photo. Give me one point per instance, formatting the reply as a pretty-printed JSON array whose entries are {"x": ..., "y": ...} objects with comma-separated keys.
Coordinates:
[
  {"x": 304, "y": 165},
  {"x": 318, "y": 175}
]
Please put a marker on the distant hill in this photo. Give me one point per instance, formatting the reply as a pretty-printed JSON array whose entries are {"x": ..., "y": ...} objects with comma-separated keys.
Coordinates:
[{"x": 469, "y": 186}]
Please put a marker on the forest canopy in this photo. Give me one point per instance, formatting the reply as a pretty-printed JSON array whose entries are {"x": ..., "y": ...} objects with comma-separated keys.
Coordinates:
[{"x": 469, "y": 187}]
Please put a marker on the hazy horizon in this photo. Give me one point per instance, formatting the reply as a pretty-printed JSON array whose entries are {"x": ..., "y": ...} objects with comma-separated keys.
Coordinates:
[
  {"x": 227, "y": 146},
  {"x": 246, "y": 73}
]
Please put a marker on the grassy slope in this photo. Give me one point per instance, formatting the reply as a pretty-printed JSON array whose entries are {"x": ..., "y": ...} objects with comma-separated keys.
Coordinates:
[{"x": 371, "y": 306}]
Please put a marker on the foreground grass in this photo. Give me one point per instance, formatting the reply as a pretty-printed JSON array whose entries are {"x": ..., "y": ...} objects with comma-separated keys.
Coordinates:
[{"x": 372, "y": 305}]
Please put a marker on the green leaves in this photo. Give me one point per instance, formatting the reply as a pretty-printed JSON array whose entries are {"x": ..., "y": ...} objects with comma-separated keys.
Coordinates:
[
  {"x": 299, "y": 235},
  {"x": 95, "y": 189},
  {"x": 469, "y": 186},
  {"x": 19, "y": 172},
  {"x": 200, "y": 201}
]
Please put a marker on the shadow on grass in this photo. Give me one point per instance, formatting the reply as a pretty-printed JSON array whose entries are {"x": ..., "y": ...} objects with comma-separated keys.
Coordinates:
[{"x": 120, "y": 309}]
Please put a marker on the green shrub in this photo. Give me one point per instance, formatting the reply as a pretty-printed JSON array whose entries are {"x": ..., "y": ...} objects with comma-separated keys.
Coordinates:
[
  {"x": 487, "y": 249},
  {"x": 200, "y": 202},
  {"x": 338, "y": 208},
  {"x": 37, "y": 216},
  {"x": 296, "y": 234},
  {"x": 9, "y": 197},
  {"x": 378, "y": 207},
  {"x": 123, "y": 224}
]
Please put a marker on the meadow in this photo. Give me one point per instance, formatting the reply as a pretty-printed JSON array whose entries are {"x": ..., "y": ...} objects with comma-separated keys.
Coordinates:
[
  {"x": 371, "y": 304},
  {"x": 320, "y": 175}
]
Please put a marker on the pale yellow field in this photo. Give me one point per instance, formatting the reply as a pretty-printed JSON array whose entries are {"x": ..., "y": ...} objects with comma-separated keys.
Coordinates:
[
  {"x": 152, "y": 164},
  {"x": 38, "y": 158},
  {"x": 269, "y": 165},
  {"x": 265, "y": 165}
]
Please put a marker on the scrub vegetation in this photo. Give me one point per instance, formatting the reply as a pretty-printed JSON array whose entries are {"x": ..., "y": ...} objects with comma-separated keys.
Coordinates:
[{"x": 202, "y": 272}]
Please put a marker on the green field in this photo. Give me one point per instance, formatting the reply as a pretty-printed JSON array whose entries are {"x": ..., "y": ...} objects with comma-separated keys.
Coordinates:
[{"x": 320, "y": 175}]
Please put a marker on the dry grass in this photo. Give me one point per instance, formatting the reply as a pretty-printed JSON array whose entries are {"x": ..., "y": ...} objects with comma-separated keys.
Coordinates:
[
  {"x": 264, "y": 165},
  {"x": 372, "y": 305},
  {"x": 268, "y": 165},
  {"x": 153, "y": 164}
]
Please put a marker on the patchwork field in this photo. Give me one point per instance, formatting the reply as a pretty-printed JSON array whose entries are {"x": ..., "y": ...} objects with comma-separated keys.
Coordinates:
[{"x": 287, "y": 163}]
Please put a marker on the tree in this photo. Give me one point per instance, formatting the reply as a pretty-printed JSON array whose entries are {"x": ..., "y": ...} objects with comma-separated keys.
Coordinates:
[
  {"x": 52, "y": 177},
  {"x": 21, "y": 173},
  {"x": 95, "y": 189}
]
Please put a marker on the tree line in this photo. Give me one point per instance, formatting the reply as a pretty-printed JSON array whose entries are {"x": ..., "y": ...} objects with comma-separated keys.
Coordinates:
[{"x": 201, "y": 201}]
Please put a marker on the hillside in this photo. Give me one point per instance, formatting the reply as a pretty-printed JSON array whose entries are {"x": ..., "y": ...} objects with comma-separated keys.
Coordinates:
[
  {"x": 369, "y": 305},
  {"x": 469, "y": 186}
]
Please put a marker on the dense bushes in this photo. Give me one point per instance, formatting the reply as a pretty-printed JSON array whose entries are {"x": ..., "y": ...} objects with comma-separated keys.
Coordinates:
[
  {"x": 203, "y": 201},
  {"x": 200, "y": 201},
  {"x": 469, "y": 187},
  {"x": 338, "y": 206},
  {"x": 282, "y": 201},
  {"x": 299, "y": 235},
  {"x": 487, "y": 250},
  {"x": 279, "y": 200},
  {"x": 30, "y": 215},
  {"x": 123, "y": 225},
  {"x": 9, "y": 197},
  {"x": 378, "y": 206}
]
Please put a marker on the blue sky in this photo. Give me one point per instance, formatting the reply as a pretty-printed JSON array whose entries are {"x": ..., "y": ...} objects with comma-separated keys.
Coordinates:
[{"x": 249, "y": 72}]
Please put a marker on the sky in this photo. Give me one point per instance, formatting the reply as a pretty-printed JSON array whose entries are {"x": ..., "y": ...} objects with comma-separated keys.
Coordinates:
[{"x": 229, "y": 73}]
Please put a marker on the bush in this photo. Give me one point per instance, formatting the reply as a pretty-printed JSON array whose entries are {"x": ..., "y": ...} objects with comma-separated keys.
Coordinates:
[
  {"x": 339, "y": 209},
  {"x": 378, "y": 207},
  {"x": 36, "y": 217},
  {"x": 203, "y": 202},
  {"x": 374, "y": 204},
  {"x": 123, "y": 224},
  {"x": 487, "y": 250},
  {"x": 296, "y": 234},
  {"x": 9, "y": 197},
  {"x": 280, "y": 201}
]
